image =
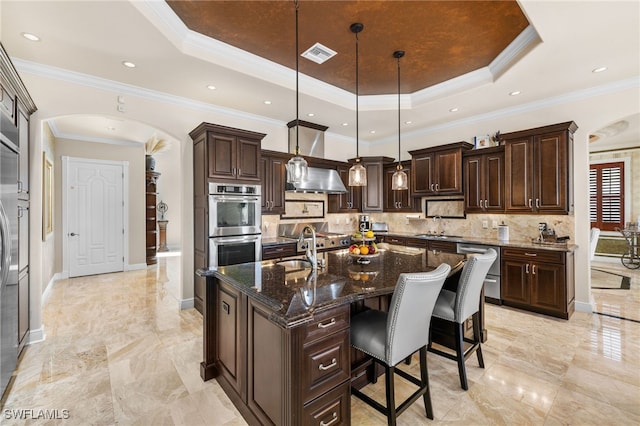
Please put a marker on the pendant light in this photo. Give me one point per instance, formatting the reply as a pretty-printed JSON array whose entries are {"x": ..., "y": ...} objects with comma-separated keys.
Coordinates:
[
  {"x": 297, "y": 166},
  {"x": 357, "y": 172},
  {"x": 399, "y": 178}
]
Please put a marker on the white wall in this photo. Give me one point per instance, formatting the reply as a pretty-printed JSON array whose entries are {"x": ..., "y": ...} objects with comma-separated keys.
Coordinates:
[{"x": 176, "y": 117}]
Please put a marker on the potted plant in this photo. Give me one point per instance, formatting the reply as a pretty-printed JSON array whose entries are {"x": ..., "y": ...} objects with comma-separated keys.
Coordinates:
[{"x": 153, "y": 146}]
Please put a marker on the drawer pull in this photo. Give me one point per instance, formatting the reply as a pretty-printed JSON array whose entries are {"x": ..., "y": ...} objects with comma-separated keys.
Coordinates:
[
  {"x": 323, "y": 367},
  {"x": 531, "y": 254},
  {"x": 333, "y": 419},
  {"x": 329, "y": 324}
]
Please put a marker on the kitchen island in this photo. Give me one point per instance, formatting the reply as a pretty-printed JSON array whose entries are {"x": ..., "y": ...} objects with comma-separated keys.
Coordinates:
[{"x": 277, "y": 338}]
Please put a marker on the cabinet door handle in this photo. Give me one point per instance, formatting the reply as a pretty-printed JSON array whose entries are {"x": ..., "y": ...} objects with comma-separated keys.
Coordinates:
[
  {"x": 482, "y": 204},
  {"x": 334, "y": 419},
  {"x": 530, "y": 203},
  {"x": 431, "y": 187},
  {"x": 537, "y": 203},
  {"x": 526, "y": 270},
  {"x": 533, "y": 269},
  {"x": 486, "y": 204},
  {"x": 328, "y": 324},
  {"x": 327, "y": 367},
  {"x": 437, "y": 187},
  {"x": 239, "y": 172}
]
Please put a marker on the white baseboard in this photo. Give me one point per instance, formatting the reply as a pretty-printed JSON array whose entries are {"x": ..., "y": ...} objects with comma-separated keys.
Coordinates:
[
  {"x": 584, "y": 307},
  {"x": 36, "y": 336},
  {"x": 187, "y": 304},
  {"x": 135, "y": 266}
]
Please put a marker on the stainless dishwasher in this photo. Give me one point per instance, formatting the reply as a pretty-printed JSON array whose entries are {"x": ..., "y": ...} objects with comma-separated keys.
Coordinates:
[{"x": 492, "y": 280}]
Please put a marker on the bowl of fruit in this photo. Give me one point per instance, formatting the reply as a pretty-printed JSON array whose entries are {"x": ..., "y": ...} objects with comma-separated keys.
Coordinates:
[{"x": 363, "y": 247}]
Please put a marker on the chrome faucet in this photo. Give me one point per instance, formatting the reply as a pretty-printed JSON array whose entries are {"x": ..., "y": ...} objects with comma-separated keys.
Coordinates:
[
  {"x": 438, "y": 220},
  {"x": 312, "y": 253}
]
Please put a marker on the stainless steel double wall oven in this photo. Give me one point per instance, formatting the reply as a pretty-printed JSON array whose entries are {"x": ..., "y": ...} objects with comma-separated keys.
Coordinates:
[{"x": 234, "y": 224}]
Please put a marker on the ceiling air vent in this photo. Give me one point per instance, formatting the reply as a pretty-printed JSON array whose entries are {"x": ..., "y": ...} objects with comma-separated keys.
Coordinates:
[{"x": 318, "y": 53}]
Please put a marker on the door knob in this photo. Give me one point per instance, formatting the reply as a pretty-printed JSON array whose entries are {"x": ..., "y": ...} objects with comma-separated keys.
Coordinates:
[{"x": 73, "y": 234}]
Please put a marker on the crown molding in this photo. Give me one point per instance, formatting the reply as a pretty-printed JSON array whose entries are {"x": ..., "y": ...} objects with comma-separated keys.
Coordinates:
[{"x": 74, "y": 77}]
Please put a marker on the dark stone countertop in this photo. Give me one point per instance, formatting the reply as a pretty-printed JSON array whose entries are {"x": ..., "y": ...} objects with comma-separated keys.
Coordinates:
[
  {"x": 527, "y": 244},
  {"x": 292, "y": 295}
]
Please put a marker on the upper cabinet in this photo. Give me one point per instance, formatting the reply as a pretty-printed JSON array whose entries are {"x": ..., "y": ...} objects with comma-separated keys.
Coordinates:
[
  {"x": 232, "y": 154},
  {"x": 539, "y": 169},
  {"x": 373, "y": 193},
  {"x": 438, "y": 170},
  {"x": 350, "y": 201},
  {"x": 274, "y": 177},
  {"x": 483, "y": 172},
  {"x": 398, "y": 200}
]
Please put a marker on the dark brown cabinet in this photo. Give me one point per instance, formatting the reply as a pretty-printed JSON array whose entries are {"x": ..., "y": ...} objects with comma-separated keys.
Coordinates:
[
  {"x": 231, "y": 154},
  {"x": 273, "y": 174},
  {"x": 538, "y": 169},
  {"x": 438, "y": 170},
  {"x": 538, "y": 280},
  {"x": 483, "y": 172},
  {"x": 373, "y": 193},
  {"x": 398, "y": 200},
  {"x": 151, "y": 195},
  {"x": 220, "y": 154},
  {"x": 277, "y": 375},
  {"x": 277, "y": 251},
  {"x": 348, "y": 202}
]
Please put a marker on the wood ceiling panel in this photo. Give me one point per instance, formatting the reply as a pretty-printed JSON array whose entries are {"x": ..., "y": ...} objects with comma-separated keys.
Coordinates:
[{"x": 442, "y": 39}]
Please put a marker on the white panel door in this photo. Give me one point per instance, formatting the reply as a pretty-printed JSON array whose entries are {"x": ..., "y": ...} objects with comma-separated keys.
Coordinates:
[{"x": 95, "y": 217}]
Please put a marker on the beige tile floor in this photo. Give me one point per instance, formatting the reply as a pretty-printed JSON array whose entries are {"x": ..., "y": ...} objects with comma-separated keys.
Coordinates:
[{"x": 118, "y": 351}]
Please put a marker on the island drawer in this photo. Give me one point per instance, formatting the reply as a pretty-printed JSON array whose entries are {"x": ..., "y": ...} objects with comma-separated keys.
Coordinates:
[
  {"x": 278, "y": 250},
  {"x": 333, "y": 408},
  {"x": 325, "y": 323},
  {"x": 540, "y": 256},
  {"x": 325, "y": 364}
]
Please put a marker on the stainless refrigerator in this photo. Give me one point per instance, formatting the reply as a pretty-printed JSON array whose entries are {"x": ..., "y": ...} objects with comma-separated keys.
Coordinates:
[{"x": 8, "y": 253}]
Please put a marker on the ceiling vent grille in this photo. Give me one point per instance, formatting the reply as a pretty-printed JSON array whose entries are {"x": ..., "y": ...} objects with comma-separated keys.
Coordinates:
[{"x": 318, "y": 53}]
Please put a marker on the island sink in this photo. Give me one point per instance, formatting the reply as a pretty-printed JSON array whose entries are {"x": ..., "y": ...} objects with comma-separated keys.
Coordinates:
[{"x": 443, "y": 237}]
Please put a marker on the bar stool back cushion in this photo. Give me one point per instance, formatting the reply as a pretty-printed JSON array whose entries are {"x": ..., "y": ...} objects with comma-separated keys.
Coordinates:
[
  {"x": 459, "y": 306},
  {"x": 392, "y": 337}
]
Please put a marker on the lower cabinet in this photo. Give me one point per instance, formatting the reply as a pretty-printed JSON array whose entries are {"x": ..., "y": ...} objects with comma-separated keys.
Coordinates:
[
  {"x": 538, "y": 280},
  {"x": 283, "y": 376}
]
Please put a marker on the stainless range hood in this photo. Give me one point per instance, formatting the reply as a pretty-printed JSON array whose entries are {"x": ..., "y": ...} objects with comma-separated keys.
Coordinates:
[
  {"x": 319, "y": 180},
  {"x": 311, "y": 143}
]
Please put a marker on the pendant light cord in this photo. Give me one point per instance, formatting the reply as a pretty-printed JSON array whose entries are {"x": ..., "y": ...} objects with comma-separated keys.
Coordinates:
[
  {"x": 297, "y": 86},
  {"x": 399, "y": 165},
  {"x": 357, "y": 109}
]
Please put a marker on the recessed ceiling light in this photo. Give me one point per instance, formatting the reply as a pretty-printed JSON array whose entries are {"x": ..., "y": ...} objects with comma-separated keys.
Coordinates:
[
  {"x": 454, "y": 109},
  {"x": 111, "y": 128},
  {"x": 600, "y": 69},
  {"x": 211, "y": 87},
  {"x": 267, "y": 102},
  {"x": 128, "y": 64},
  {"x": 373, "y": 132},
  {"x": 345, "y": 124},
  {"x": 310, "y": 114},
  {"x": 408, "y": 122},
  {"x": 31, "y": 37},
  {"x": 514, "y": 93}
]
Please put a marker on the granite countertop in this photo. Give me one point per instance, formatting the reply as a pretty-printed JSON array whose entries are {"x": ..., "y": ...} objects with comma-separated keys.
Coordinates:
[
  {"x": 564, "y": 247},
  {"x": 294, "y": 295}
]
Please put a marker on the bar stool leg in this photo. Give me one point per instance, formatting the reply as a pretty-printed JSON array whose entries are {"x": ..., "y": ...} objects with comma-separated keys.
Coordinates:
[
  {"x": 424, "y": 376},
  {"x": 476, "y": 337},
  {"x": 460, "y": 356},
  {"x": 391, "y": 401}
]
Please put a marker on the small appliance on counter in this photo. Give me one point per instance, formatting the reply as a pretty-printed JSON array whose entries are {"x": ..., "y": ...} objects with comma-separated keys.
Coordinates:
[
  {"x": 379, "y": 227},
  {"x": 364, "y": 223}
]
